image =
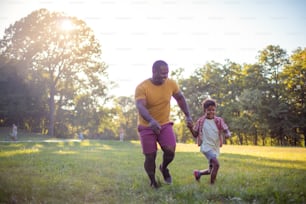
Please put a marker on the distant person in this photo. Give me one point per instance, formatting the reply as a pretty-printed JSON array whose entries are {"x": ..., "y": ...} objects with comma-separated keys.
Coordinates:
[
  {"x": 81, "y": 136},
  {"x": 121, "y": 135},
  {"x": 152, "y": 98},
  {"x": 208, "y": 130},
  {"x": 14, "y": 132}
]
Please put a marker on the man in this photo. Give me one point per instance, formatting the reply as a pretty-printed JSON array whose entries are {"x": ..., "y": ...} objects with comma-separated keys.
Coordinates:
[{"x": 153, "y": 98}]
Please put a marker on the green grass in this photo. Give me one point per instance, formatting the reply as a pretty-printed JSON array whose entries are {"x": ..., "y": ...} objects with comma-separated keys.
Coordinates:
[{"x": 112, "y": 172}]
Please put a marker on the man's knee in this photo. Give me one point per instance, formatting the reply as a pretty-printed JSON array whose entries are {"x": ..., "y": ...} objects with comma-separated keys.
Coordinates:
[
  {"x": 150, "y": 157},
  {"x": 149, "y": 163},
  {"x": 169, "y": 151}
]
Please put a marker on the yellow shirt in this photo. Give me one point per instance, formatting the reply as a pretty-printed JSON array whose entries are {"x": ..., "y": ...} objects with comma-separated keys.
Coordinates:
[{"x": 158, "y": 99}]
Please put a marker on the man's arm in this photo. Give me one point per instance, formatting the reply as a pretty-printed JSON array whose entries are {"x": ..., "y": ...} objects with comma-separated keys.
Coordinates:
[
  {"x": 143, "y": 111},
  {"x": 181, "y": 101}
]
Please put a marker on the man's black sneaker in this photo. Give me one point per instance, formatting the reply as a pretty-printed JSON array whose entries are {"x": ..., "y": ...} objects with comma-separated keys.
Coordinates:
[
  {"x": 154, "y": 185},
  {"x": 166, "y": 175}
]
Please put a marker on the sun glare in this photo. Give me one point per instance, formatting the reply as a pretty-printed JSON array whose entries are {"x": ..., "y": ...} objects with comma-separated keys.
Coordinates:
[{"x": 67, "y": 25}]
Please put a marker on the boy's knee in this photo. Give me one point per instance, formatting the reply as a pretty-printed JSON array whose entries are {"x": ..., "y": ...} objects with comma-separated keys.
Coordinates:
[{"x": 214, "y": 163}]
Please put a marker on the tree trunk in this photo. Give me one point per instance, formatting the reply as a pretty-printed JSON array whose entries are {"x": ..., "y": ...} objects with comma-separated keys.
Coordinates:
[
  {"x": 52, "y": 111},
  {"x": 304, "y": 133},
  {"x": 240, "y": 138},
  {"x": 256, "y": 137}
]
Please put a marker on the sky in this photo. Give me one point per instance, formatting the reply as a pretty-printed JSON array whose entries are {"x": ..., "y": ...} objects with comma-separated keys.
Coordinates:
[{"x": 185, "y": 33}]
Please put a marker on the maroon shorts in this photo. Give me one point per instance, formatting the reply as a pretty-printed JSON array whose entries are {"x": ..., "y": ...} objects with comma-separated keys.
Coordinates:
[{"x": 149, "y": 139}]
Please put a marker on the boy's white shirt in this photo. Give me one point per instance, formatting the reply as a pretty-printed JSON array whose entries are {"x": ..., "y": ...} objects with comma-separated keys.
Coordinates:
[{"x": 210, "y": 137}]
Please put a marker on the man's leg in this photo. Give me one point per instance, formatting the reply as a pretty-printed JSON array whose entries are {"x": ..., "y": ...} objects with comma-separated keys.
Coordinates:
[
  {"x": 150, "y": 166},
  {"x": 167, "y": 142},
  {"x": 168, "y": 156},
  {"x": 149, "y": 149}
]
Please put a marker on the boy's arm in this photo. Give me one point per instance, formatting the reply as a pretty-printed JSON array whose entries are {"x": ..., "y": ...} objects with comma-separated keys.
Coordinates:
[
  {"x": 227, "y": 133},
  {"x": 225, "y": 129},
  {"x": 193, "y": 132},
  {"x": 221, "y": 139}
]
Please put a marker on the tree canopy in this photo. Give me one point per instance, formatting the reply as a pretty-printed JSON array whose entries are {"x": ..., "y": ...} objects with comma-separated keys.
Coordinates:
[{"x": 59, "y": 56}]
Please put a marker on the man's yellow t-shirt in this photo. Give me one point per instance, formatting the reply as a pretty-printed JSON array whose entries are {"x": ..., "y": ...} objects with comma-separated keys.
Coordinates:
[{"x": 158, "y": 99}]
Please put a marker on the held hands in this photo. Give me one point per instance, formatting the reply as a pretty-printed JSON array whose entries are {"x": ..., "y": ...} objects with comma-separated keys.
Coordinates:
[
  {"x": 189, "y": 122},
  {"x": 155, "y": 126},
  {"x": 190, "y": 127}
]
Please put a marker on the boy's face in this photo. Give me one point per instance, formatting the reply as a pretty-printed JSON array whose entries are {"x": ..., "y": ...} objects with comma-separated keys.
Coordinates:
[{"x": 210, "y": 112}]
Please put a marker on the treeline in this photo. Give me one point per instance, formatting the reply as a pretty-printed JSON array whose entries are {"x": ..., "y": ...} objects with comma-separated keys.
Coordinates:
[
  {"x": 52, "y": 81},
  {"x": 263, "y": 103}
]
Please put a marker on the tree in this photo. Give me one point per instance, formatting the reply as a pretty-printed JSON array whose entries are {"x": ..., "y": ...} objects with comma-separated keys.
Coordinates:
[
  {"x": 61, "y": 54},
  {"x": 128, "y": 116},
  {"x": 20, "y": 102},
  {"x": 294, "y": 78},
  {"x": 251, "y": 101},
  {"x": 273, "y": 59}
]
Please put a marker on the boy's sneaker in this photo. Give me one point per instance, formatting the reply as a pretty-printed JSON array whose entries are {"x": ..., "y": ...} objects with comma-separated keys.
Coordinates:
[
  {"x": 197, "y": 175},
  {"x": 166, "y": 175}
]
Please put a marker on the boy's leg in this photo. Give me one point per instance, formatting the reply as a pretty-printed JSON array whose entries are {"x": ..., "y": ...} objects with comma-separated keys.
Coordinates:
[
  {"x": 215, "y": 167},
  {"x": 198, "y": 173},
  {"x": 206, "y": 171},
  {"x": 209, "y": 155}
]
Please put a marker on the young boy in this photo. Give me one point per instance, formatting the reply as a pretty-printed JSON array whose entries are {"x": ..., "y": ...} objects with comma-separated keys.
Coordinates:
[{"x": 208, "y": 130}]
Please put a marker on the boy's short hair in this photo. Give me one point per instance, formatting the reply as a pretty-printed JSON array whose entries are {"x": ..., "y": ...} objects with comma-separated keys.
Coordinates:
[{"x": 209, "y": 102}]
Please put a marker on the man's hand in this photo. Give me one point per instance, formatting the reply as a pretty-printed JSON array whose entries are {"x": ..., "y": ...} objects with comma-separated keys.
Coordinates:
[
  {"x": 155, "y": 126},
  {"x": 190, "y": 126},
  {"x": 189, "y": 122}
]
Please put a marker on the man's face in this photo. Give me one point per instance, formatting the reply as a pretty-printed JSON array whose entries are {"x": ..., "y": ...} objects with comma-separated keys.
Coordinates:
[{"x": 160, "y": 75}]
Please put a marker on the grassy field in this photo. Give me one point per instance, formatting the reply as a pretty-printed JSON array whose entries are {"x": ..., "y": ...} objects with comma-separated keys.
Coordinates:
[{"x": 112, "y": 172}]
